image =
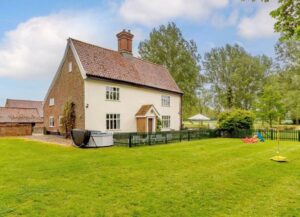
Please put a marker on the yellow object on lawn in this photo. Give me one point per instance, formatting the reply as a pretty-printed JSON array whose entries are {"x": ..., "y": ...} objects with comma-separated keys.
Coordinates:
[{"x": 277, "y": 157}]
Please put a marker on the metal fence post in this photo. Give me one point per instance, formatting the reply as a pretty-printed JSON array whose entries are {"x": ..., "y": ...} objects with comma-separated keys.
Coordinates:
[
  {"x": 188, "y": 135},
  {"x": 149, "y": 139},
  {"x": 298, "y": 135},
  {"x": 166, "y": 135},
  {"x": 272, "y": 134},
  {"x": 180, "y": 136},
  {"x": 130, "y": 141}
]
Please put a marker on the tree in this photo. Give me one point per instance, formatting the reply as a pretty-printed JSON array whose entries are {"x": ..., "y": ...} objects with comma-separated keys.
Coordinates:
[
  {"x": 288, "y": 55},
  {"x": 288, "y": 19},
  {"x": 234, "y": 77},
  {"x": 166, "y": 46},
  {"x": 69, "y": 117},
  {"x": 270, "y": 106}
]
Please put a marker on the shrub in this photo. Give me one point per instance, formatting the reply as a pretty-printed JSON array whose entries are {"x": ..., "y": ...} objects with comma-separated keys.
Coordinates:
[{"x": 236, "y": 120}]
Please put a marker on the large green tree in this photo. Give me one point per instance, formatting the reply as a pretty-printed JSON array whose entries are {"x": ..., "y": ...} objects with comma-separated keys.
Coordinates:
[
  {"x": 287, "y": 17},
  {"x": 167, "y": 46},
  {"x": 288, "y": 54},
  {"x": 270, "y": 106},
  {"x": 234, "y": 77}
]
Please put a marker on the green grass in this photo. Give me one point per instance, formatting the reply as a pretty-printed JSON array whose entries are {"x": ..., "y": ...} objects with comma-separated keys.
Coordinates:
[{"x": 216, "y": 177}]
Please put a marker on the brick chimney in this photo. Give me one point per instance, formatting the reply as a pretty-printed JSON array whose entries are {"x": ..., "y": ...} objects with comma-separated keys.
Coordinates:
[{"x": 125, "y": 42}]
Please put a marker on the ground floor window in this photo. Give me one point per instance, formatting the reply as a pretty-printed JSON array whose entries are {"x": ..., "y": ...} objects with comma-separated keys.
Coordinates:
[
  {"x": 112, "y": 121},
  {"x": 51, "y": 121},
  {"x": 165, "y": 121}
]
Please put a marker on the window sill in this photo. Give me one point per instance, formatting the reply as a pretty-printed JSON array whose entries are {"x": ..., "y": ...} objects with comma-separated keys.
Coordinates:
[{"x": 111, "y": 100}]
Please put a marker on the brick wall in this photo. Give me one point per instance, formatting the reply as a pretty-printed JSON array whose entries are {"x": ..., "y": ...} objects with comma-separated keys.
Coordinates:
[
  {"x": 15, "y": 129},
  {"x": 68, "y": 86}
]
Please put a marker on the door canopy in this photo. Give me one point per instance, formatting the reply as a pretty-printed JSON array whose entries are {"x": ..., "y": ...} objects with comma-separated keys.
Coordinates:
[{"x": 147, "y": 111}]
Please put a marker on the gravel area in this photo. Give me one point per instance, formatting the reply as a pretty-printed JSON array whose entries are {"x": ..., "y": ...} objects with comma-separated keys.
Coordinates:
[{"x": 53, "y": 139}]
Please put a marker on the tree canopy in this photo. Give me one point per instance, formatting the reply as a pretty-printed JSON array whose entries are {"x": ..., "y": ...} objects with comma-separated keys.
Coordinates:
[
  {"x": 234, "y": 77},
  {"x": 167, "y": 46},
  {"x": 287, "y": 19}
]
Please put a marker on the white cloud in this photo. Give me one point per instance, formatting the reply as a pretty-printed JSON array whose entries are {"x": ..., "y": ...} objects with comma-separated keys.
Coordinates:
[
  {"x": 260, "y": 25},
  {"x": 153, "y": 12},
  {"x": 35, "y": 47},
  {"x": 221, "y": 21}
]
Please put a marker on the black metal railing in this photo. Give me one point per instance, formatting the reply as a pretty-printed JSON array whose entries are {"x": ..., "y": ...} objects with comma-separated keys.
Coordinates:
[{"x": 141, "y": 139}]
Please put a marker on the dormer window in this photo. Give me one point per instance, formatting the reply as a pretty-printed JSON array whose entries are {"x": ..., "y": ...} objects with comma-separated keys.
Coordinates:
[
  {"x": 113, "y": 93},
  {"x": 70, "y": 67},
  {"x": 51, "y": 102}
]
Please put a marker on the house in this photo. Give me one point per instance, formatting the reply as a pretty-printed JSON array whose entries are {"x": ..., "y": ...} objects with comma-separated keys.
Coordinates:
[
  {"x": 21, "y": 117},
  {"x": 112, "y": 90}
]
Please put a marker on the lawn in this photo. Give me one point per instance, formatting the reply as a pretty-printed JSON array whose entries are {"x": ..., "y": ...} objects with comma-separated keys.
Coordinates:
[{"x": 215, "y": 177}]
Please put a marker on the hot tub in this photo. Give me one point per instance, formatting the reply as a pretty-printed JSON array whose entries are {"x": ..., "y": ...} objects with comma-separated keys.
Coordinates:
[{"x": 91, "y": 139}]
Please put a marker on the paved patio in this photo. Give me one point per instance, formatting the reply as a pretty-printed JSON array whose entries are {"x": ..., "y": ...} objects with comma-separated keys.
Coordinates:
[{"x": 53, "y": 139}]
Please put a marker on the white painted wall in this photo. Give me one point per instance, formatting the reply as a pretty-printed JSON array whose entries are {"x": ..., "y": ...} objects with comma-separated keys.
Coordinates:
[{"x": 131, "y": 99}]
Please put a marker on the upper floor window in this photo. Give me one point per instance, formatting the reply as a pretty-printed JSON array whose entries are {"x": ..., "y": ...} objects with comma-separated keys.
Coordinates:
[
  {"x": 112, "y": 121},
  {"x": 112, "y": 93},
  {"x": 165, "y": 101},
  {"x": 70, "y": 67},
  {"x": 51, "y": 101},
  {"x": 165, "y": 121},
  {"x": 51, "y": 121}
]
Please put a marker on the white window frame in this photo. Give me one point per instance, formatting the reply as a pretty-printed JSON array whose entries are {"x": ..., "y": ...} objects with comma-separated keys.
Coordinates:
[
  {"x": 166, "y": 121},
  {"x": 51, "y": 121},
  {"x": 70, "y": 66},
  {"x": 165, "y": 101},
  {"x": 113, "y": 121},
  {"x": 60, "y": 120},
  {"x": 112, "y": 93},
  {"x": 51, "y": 102}
]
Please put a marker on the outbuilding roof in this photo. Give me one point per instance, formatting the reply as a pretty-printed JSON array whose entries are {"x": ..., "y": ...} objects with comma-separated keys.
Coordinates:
[
  {"x": 17, "y": 103},
  {"x": 19, "y": 115},
  {"x": 108, "y": 64}
]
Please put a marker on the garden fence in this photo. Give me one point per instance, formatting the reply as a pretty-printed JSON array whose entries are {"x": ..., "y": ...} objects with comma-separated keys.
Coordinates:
[{"x": 141, "y": 139}]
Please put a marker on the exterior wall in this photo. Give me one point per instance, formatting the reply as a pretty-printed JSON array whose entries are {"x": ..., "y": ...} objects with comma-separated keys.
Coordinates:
[
  {"x": 15, "y": 129},
  {"x": 68, "y": 86},
  {"x": 131, "y": 99}
]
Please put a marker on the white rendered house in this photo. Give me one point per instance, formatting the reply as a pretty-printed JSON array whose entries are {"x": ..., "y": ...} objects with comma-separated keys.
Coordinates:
[{"x": 112, "y": 90}]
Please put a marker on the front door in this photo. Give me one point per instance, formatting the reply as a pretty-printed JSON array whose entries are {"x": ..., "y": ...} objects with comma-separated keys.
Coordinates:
[{"x": 150, "y": 125}]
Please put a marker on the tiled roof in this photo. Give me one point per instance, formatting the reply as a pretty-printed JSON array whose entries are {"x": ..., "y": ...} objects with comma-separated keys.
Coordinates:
[
  {"x": 16, "y": 103},
  {"x": 19, "y": 115},
  {"x": 108, "y": 64},
  {"x": 143, "y": 110}
]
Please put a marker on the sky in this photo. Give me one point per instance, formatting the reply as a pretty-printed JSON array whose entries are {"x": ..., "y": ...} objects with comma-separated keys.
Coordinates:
[{"x": 33, "y": 33}]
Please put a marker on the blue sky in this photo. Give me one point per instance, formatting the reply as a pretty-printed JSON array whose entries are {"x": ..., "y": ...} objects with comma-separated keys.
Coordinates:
[{"x": 33, "y": 33}]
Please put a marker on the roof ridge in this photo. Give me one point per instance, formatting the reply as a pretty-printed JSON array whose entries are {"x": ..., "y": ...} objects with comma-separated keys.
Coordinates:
[
  {"x": 3, "y": 107},
  {"x": 94, "y": 45},
  {"x": 28, "y": 100}
]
